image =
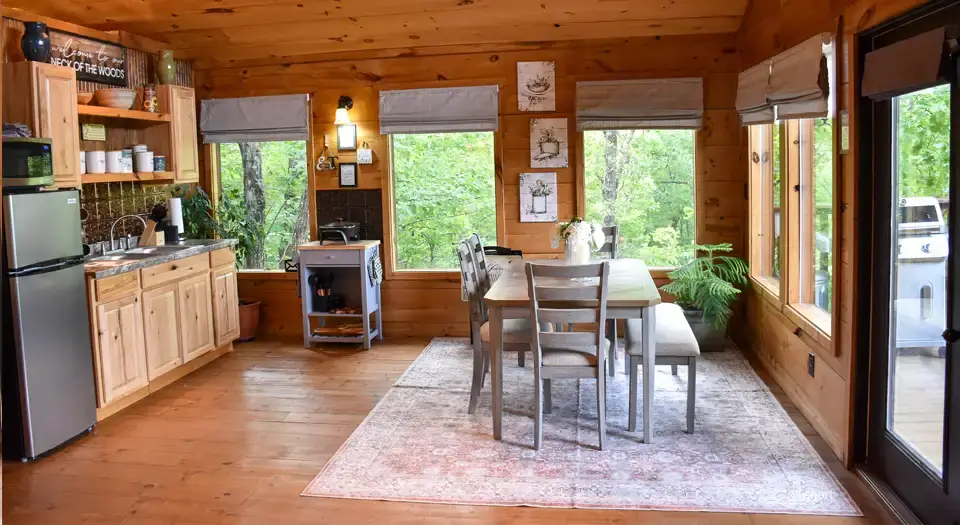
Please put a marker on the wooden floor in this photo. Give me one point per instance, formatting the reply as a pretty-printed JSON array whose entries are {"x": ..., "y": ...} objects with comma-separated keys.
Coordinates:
[{"x": 238, "y": 440}]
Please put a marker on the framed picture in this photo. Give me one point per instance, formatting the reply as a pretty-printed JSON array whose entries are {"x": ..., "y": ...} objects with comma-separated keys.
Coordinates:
[
  {"x": 538, "y": 197},
  {"x": 548, "y": 143},
  {"x": 348, "y": 174},
  {"x": 347, "y": 137},
  {"x": 536, "y": 86}
]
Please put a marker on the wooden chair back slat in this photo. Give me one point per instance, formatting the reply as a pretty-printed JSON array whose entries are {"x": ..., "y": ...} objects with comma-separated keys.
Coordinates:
[
  {"x": 611, "y": 244},
  {"x": 471, "y": 283},
  {"x": 586, "y": 294},
  {"x": 566, "y": 316},
  {"x": 583, "y": 341},
  {"x": 480, "y": 262}
]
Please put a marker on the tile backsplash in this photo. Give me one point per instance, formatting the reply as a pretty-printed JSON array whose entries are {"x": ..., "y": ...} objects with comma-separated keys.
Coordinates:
[
  {"x": 102, "y": 203},
  {"x": 362, "y": 206}
]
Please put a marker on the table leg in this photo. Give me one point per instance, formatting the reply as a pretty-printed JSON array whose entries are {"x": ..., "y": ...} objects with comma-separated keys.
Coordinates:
[
  {"x": 649, "y": 358},
  {"x": 496, "y": 367}
]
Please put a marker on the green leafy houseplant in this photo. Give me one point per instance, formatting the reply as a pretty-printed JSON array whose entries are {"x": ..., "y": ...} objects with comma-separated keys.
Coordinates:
[
  {"x": 231, "y": 221},
  {"x": 709, "y": 283}
]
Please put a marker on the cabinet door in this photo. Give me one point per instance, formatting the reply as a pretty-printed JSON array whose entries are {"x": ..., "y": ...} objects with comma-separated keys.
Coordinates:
[
  {"x": 186, "y": 158},
  {"x": 196, "y": 316},
  {"x": 56, "y": 99},
  {"x": 123, "y": 364},
  {"x": 226, "y": 311},
  {"x": 161, "y": 336}
]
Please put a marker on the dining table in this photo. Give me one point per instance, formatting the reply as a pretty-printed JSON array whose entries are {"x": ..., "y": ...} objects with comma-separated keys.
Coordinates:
[{"x": 631, "y": 294}]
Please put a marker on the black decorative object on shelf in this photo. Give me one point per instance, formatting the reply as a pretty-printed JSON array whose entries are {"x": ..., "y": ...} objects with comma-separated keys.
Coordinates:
[{"x": 35, "y": 42}]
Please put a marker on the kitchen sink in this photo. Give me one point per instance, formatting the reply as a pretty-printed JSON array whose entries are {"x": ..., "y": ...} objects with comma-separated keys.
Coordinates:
[
  {"x": 156, "y": 250},
  {"x": 123, "y": 257}
]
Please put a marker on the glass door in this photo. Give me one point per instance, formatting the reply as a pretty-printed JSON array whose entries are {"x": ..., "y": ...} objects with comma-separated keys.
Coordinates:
[{"x": 913, "y": 436}]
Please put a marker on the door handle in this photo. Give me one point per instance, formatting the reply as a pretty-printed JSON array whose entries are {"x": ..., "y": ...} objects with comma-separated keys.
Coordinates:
[{"x": 951, "y": 336}]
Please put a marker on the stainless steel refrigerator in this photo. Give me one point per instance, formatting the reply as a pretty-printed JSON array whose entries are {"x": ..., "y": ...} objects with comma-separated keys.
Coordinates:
[{"x": 48, "y": 384}]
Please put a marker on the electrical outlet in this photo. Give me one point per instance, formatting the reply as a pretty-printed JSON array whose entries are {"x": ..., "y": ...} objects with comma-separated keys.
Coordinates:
[{"x": 811, "y": 364}]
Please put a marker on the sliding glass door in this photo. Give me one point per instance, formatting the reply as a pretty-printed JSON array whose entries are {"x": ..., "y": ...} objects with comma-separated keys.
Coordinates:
[{"x": 913, "y": 262}]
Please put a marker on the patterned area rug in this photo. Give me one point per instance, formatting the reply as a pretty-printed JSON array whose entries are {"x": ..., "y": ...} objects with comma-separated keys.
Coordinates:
[{"x": 420, "y": 445}]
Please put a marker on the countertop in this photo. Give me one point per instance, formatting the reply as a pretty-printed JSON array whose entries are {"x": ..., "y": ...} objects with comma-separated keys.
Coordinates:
[
  {"x": 102, "y": 269},
  {"x": 354, "y": 245}
]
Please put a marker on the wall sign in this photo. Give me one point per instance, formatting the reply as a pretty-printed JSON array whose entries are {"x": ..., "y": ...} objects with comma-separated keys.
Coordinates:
[{"x": 93, "y": 60}]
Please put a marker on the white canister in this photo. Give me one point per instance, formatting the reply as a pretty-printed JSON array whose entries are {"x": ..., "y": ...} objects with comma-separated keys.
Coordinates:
[
  {"x": 83, "y": 163},
  {"x": 114, "y": 162},
  {"x": 144, "y": 161},
  {"x": 96, "y": 161},
  {"x": 139, "y": 148},
  {"x": 126, "y": 161}
]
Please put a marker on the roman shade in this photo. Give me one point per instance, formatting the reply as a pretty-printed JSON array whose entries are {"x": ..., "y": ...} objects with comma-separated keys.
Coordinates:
[
  {"x": 255, "y": 119},
  {"x": 908, "y": 65},
  {"x": 675, "y": 103},
  {"x": 801, "y": 80},
  {"x": 752, "y": 88},
  {"x": 439, "y": 110}
]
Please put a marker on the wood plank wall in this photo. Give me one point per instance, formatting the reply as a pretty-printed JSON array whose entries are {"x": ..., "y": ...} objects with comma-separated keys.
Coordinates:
[
  {"x": 825, "y": 399},
  {"x": 433, "y": 306}
]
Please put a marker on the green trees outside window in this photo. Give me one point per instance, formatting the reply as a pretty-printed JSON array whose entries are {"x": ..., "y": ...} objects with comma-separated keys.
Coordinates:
[
  {"x": 443, "y": 191},
  {"x": 643, "y": 181}
]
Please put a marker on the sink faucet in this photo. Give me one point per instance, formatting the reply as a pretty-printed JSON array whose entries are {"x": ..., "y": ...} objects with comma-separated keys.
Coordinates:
[{"x": 114, "y": 225}]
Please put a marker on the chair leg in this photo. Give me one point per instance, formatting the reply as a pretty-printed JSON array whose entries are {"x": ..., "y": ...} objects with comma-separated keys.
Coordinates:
[
  {"x": 521, "y": 358},
  {"x": 673, "y": 369},
  {"x": 691, "y": 392},
  {"x": 632, "y": 362},
  {"x": 538, "y": 409},
  {"x": 547, "y": 396},
  {"x": 479, "y": 362},
  {"x": 612, "y": 330},
  {"x": 601, "y": 406}
]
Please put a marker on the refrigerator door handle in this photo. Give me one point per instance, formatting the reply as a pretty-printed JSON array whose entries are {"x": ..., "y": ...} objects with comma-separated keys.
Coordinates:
[{"x": 58, "y": 265}]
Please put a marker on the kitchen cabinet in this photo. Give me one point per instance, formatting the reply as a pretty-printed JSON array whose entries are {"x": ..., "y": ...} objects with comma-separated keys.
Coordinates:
[
  {"x": 44, "y": 97},
  {"x": 226, "y": 315},
  {"x": 122, "y": 362},
  {"x": 160, "y": 321},
  {"x": 196, "y": 316},
  {"x": 182, "y": 105}
]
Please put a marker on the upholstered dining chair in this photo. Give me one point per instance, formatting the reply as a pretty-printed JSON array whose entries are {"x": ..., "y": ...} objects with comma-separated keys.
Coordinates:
[
  {"x": 516, "y": 332},
  {"x": 554, "y": 299},
  {"x": 675, "y": 344}
]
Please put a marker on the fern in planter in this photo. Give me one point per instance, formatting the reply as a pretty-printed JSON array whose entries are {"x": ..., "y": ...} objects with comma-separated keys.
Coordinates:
[{"x": 709, "y": 283}]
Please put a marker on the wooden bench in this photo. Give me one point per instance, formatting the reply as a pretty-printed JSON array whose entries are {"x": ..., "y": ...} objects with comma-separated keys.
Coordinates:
[{"x": 675, "y": 345}]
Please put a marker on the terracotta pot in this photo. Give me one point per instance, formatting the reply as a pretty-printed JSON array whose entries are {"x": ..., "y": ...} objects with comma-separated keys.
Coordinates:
[{"x": 249, "y": 320}]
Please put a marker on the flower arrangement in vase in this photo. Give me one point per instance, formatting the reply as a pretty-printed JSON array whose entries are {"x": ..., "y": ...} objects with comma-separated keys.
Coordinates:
[
  {"x": 541, "y": 190},
  {"x": 580, "y": 238}
]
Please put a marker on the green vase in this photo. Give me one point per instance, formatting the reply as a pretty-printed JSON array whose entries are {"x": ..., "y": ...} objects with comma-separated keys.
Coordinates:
[{"x": 166, "y": 68}]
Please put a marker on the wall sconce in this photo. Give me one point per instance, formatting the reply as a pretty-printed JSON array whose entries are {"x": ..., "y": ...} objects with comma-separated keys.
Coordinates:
[{"x": 346, "y": 132}]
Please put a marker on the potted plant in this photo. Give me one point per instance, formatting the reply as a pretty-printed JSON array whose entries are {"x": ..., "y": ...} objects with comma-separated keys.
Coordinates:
[
  {"x": 705, "y": 287},
  {"x": 231, "y": 222}
]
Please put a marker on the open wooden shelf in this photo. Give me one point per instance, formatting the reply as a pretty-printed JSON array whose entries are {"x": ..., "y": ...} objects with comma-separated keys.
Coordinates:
[
  {"x": 156, "y": 176},
  {"x": 123, "y": 114}
]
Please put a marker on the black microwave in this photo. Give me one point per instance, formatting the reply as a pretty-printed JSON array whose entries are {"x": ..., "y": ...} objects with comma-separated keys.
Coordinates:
[{"x": 27, "y": 162}]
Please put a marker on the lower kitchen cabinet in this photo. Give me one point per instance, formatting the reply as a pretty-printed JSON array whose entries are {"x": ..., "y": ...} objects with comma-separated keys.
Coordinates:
[
  {"x": 196, "y": 316},
  {"x": 226, "y": 315},
  {"x": 122, "y": 361},
  {"x": 160, "y": 330}
]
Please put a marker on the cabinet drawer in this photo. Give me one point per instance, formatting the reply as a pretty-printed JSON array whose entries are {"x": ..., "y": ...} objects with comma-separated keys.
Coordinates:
[
  {"x": 174, "y": 270},
  {"x": 331, "y": 257},
  {"x": 222, "y": 257},
  {"x": 117, "y": 286}
]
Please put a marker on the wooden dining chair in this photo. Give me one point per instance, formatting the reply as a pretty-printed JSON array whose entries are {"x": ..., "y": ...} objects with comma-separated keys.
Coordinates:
[
  {"x": 554, "y": 298},
  {"x": 611, "y": 250},
  {"x": 516, "y": 332}
]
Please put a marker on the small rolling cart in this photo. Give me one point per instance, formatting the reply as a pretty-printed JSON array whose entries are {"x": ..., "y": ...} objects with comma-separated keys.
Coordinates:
[{"x": 340, "y": 286}]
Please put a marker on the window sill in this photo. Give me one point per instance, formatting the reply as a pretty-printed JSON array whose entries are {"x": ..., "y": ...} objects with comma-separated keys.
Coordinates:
[
  {"x": 424, "y": 275},
  {"x": 768, "y": 286},
  {"x": 812, "y": 319},
  {"x": 276, "y": 275}
]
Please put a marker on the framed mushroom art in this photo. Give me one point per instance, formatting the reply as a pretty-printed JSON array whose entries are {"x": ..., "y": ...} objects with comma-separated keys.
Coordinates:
[
  {"x": 536, "y": 86},
  {"x": 548, "y": 143},
  {"x": 538, "y": 197}
]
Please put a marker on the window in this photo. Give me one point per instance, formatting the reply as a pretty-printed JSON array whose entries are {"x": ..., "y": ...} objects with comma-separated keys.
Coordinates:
[
  {"x": 766, "y": 187},
  {"x": 816, "y": 213},
  {"x": 264, "y": 200},
  {"x": 642, "y": 181},
  {"x": 443, "y": 191}
]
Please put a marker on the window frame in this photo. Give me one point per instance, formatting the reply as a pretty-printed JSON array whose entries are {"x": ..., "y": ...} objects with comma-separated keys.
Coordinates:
[
  {"x": 760, "y": 139},
  {"x": 210, "y": 180},
  {"x": 391, "y": 272},
  {"x": 658, "y": 273}
]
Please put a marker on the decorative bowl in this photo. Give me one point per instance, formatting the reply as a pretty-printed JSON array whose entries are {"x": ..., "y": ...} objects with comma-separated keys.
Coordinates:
[
  {"x": 84, "y": 98},
  {"x": 118, "y": 98}
]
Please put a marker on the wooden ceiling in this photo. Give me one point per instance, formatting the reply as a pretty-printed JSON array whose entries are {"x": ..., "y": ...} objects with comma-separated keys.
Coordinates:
[{"x": 223, "y": 32}]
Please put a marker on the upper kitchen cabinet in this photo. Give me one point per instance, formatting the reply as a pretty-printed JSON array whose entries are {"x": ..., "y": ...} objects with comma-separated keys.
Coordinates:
[
  {"x": 181, "y": 103},
  {"x": 44, "y": 97}
]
